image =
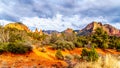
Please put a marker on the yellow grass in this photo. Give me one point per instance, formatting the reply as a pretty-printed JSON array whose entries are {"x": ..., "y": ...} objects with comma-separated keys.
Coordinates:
[{"x": 108, "y": 61}]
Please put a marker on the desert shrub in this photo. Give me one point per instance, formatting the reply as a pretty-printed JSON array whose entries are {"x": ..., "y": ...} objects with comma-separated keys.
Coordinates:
[
  {"x": 46, "y": 40},
  {"x": 70, "y": 45},
  {"x": 60, "y": 44},
  {"x": 3, "y": 47},
  {"x": 59, "y": 55},
  {"x": 53, "y": 38},
  {"x": 15, "y": 34},
  {"x": 43, "y": 49},
  {"x": 63, "y": 45},
  {"x": 104, "y": 46},
  {"x": 113, "y": 42},
  {"x": 94, "y": 45},
  {"x": 77, "y": 57},
  {"x": 101, "y": 38},
  {"x": 83, "y": 40},
  {"x": 69, "y": 57},
  {"x": 78, "y": 44},
  {"x": 18, "y": 48},
  {"x": 1, "y": 50},
  {"x": 118, "y": 48},
  {"x": 35, "y": 36},
  {"x": 84, "y": 54},
  {"x": 91, "y": 55},
  {"x": 54, "y": 46}
]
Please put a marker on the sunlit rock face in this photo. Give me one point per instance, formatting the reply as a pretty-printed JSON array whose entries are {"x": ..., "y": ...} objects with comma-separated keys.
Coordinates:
[
  {"x": 17, "y": 25},
  {"x": 90, "y": 28},
  {"x": 38, "y": 31},
  {"x": 68, "y": 30}
]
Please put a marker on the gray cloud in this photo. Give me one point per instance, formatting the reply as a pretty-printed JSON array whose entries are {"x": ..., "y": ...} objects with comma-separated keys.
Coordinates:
[
  {"x": 15, "y": 10},
  {"x": 49, "y": 8}
]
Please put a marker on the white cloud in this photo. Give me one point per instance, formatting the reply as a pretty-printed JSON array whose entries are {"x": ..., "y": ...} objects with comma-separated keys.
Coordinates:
[
  {"x": 4, "y": 22},
  {"x": 60, "y": 22},
  {"x": 75, "y": 13},
  {"x": 116, "y": 25}
]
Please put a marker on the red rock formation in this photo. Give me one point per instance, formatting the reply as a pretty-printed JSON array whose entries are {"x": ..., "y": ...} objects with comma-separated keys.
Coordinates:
[
  {"x": 18, "y": 25},
  {"x": 111, "y": 30},
  {"x": 36, "y": 30},
  {"x": 90, "y": 28},
  {"x": 40, "y": 32},
  {"x": 68, "y": 30}
]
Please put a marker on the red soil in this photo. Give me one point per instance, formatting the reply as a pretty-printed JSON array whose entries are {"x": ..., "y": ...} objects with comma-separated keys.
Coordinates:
[{"x": 41, "y": 59}]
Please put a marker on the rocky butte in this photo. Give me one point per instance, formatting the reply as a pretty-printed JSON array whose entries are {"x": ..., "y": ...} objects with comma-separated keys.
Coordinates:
[{"x": 90, "y": 28}]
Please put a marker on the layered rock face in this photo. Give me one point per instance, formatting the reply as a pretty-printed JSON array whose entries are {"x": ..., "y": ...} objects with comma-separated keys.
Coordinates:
[
  {"x": 90, "y": 28},
  {"x": 112, "y": 30}
]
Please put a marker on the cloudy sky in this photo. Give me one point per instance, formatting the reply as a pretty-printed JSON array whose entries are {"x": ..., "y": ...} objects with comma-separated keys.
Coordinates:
[{"x": 60, "y": 14}]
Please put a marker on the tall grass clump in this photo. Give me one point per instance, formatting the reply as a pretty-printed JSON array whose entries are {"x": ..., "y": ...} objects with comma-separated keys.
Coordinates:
[{"x": 108, "y": 61}]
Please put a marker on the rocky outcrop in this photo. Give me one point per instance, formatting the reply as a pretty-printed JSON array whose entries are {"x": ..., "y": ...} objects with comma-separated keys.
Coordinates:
[
  {"x": 90, "y": 28},
  {"x": 17, "y": 25},
  {"x": 112, "y": 30},
  {"x": 36, "y": 31},
  {"x": 40, "y": 32},
  {"x": 68, "y": 30}
]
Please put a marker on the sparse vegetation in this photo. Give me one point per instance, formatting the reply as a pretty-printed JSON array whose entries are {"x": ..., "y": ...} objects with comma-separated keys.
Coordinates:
[
  {"x": 18, "y": 41},
  {"x": 91, "y": 55},
  {"x": 13, "y": 40},
  {"x": 59, "y": 55},
  {"x": 18, "y": 48},
  {"x": 109, "y": 61}
]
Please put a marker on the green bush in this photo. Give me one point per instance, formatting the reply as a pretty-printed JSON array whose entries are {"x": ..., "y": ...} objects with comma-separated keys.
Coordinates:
[
  {"x": 3, "y": 47},
  {"x": 118, "y": 48},
  {"x": 63, "y": 45},
  {"x": 54, "y": 37},
  {"x": 83, "y": 40},
  {"x": 94, "y": 45},
  {"x": 84, "y": 54},
  {"x": 54, "y": 46},
  {"x": 1, "y": 50},
  {"x": 69, "y": 57},
  {"x": 15, "y": 35},
  {"x": 59, "y": 55},
  {"x": 78, "y": 44},
  {"x": 70, "y": 45},
  {"x": 91, "y": 55},
  {"x": 18, "y": 48},
  {"x": 101, "y": 38},
  {"x": 60, "y": 44},
  {"x": 77, "y": 57},
  {"x": 104, "y": 45}
]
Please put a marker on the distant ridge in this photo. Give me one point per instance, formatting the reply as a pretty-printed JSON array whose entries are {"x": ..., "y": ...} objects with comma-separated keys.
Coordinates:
[
  {"x": 89, "y": 29},
  {"x": 50, "y": 31}
]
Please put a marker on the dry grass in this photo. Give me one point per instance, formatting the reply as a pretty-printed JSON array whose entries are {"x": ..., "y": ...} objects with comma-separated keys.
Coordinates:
[{"x": 108, "y": 61}]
